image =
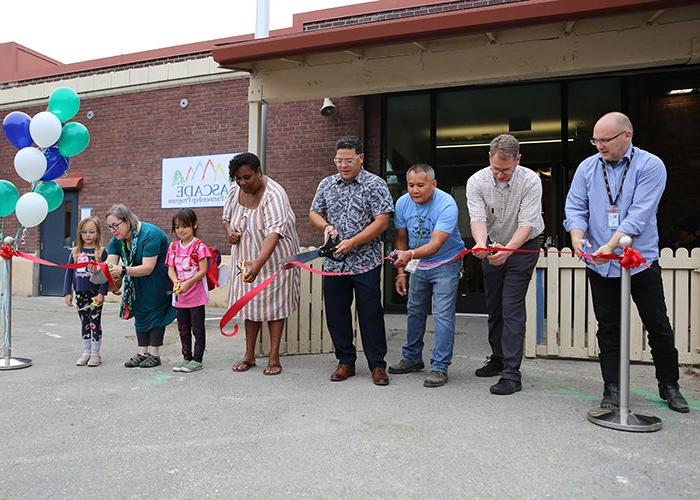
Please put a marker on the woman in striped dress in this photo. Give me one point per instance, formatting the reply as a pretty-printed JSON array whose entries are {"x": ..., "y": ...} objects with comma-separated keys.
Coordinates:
[{"x": 261, "y": 228}]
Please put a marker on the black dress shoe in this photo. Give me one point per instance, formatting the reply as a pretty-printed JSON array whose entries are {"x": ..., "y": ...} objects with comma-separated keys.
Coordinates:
[
  {"x": 493, "y": 367},
  {"x": 611, "y": 397},
  {"x": 505, "y": 387},
  {"x": 672, "y": 394}
]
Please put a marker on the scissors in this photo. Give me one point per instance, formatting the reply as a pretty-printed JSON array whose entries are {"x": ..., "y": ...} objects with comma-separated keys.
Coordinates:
[
  {"x": 92, "y": 305},
  {"x": 327, "y": 250}
]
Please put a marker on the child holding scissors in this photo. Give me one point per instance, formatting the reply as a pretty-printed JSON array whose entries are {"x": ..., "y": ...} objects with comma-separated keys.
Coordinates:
[{"x": 88, "y": 295}]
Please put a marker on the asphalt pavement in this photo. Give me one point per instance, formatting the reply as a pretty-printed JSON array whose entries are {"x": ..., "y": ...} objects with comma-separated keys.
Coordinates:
[{"x": 113, "y": 432}]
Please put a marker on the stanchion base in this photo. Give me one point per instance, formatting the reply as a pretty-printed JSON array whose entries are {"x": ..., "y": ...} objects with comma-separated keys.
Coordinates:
[
  {"x": 15, "y": 363},
  {"x": 635, "y": 422}
]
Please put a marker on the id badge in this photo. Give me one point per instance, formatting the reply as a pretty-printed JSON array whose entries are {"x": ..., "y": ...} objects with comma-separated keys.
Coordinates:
[
  {"x": 412, "y": 265},
  {"x": 613, "y": 218}
]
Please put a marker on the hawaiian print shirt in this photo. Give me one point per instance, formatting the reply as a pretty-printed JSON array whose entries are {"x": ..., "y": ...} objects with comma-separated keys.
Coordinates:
[{"x": 350, "y": 207}]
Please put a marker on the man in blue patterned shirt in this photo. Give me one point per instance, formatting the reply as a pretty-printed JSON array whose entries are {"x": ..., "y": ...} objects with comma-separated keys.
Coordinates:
[{"x": 355, "y": 206}]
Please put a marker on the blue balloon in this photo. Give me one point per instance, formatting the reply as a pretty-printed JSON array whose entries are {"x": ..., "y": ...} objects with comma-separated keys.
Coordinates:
[
  {"x": 16, "y": 128},
  {"x": 56, "y": 165}
]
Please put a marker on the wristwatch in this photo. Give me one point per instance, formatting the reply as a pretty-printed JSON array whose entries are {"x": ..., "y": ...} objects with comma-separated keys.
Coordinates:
[{"x": 123, "y": 271}]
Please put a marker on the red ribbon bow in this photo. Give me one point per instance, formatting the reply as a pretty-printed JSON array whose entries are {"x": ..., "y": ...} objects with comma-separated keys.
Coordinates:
[
  {"x": 631, "y": 258},
  {"x": 7, "y": 252}
]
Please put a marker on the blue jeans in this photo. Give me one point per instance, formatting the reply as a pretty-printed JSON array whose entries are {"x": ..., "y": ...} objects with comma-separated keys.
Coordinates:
[{"x": 440, "y": 283}]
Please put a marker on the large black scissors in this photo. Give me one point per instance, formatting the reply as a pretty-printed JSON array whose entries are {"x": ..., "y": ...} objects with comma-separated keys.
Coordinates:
[{"x": 327, "y": 250}]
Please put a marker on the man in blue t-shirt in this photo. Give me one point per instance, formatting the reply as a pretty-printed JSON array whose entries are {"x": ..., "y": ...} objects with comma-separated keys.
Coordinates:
[{"x": 427, "y": 242}]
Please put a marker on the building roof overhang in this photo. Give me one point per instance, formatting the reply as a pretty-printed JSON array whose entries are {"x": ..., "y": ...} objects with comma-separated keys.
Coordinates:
[
  {"x": 244, "y": 55},
  {"x": 70, "y": 182}
]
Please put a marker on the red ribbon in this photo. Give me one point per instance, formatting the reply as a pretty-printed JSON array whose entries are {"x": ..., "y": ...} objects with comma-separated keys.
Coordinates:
[
  {"x": 630, "y": 259},
  {"x": 241, "y": 303},
  {"x": 7, "y": 252}
]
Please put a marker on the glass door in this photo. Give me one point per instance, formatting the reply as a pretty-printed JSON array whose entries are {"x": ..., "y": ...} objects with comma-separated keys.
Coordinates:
[{"x": 466, "y": 121}]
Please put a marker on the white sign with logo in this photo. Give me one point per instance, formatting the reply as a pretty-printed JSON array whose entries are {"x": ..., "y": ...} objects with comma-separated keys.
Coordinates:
[{"x": 195, "y": 181}]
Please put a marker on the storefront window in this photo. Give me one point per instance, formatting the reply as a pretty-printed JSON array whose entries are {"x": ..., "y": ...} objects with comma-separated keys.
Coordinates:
[
  {"x": 406, "y": 141},
  {"x": 588, "y": 100}
]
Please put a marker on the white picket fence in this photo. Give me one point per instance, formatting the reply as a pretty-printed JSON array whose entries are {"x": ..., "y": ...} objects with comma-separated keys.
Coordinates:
[
  {"x": 305, "y": 330},
  {"x": 562, "y": 324},
  {"x": 560, "y": 315}
]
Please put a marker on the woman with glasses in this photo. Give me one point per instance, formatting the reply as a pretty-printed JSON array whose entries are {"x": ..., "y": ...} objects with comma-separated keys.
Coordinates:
[
  {"x": 261, "y": 227},
  {"x": 137, "y": 253}
]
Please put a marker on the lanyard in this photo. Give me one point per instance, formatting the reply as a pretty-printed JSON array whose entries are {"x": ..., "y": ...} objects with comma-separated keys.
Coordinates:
[{"x": 613, "y": 202}]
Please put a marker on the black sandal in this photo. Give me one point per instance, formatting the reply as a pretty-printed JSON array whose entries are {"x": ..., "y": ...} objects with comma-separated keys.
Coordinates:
[
  {"x": 268, "y": 371},
  {"x": 151, "y": 361},
  {"x": 246, "y": 366},
  {"x": 135, "y": 361}
]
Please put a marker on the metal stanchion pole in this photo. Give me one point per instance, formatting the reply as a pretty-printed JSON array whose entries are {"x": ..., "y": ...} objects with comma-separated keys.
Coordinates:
[
  {"x": 623, "y": 418},
  {"x": 8, "y": 362}
]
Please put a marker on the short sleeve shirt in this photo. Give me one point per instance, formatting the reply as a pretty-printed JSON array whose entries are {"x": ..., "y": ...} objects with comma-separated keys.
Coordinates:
[
  {"x": 351, "y": 206},
  {"x": 440, "y": 213},
  {"x": 506, "y": 206},
  {"x": 186, "y": 265},
  {"x": 152, "y": 308}
]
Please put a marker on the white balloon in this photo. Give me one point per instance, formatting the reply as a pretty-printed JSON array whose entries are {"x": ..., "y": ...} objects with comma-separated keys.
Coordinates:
[
  {"x": 45, "y": 129},
  {"x": 31, "y": 209},
  {"x": 30, "y": 164}
]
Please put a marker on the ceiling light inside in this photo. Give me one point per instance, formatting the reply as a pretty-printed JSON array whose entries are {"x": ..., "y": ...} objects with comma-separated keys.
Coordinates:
[{"x": 679, "y": 91}]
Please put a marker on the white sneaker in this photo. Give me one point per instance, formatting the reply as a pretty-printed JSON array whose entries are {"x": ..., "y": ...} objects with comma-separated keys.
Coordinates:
[
  {"x": 95, "y": 359},
  {"x": 83, "y": 360}
]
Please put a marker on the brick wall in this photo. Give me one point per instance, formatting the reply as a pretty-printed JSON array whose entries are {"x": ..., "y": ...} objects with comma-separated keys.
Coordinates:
[
  {"x": 300, "y": 149},
  {"x": 386, "y": 15},
  {"x": 131, "y": 133}
]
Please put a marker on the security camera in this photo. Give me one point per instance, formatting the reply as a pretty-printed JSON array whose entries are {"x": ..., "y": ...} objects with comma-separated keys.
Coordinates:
[{"x": 327, "y": 108}]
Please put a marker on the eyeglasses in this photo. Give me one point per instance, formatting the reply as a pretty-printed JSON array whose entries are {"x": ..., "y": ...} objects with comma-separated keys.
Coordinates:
[
  {"x": 114, "y": 227},
  {"x": 603, "y": 142},
  {"x": 347, "y": 161},
  {"x": 504, "y": 171}
]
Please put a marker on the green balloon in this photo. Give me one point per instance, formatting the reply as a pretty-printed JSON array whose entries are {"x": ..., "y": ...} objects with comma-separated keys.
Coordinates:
[
  {"x": 52, "y": 192},
  {"x": 64, "y": 103},
  {"x": 74, "y": 139},
  {"x": 8, "y": 198}
]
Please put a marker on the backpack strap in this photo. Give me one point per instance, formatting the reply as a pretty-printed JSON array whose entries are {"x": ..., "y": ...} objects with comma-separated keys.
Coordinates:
[{"x": 194, "y": 253}]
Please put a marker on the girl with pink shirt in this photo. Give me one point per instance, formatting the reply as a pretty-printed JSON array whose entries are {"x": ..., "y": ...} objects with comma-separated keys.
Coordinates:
[{"x": 187, "y": 267}]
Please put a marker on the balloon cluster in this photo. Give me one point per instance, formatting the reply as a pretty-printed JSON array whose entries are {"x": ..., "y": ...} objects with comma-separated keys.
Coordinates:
[{"x": 56, "y": 140}]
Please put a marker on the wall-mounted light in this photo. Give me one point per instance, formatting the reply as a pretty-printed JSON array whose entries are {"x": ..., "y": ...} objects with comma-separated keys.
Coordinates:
[
  {"x": 327, "y": 108},
  {"x": 184, "y": 103},
  {"x": 90, "y": 115}
]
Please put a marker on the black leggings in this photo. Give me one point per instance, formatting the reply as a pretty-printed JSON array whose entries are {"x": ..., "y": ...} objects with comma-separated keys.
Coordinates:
[
  {"x": 90, "y": 318},
  {"x": 152, "y": 337},
  {"x": 190, "y": 321}
]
